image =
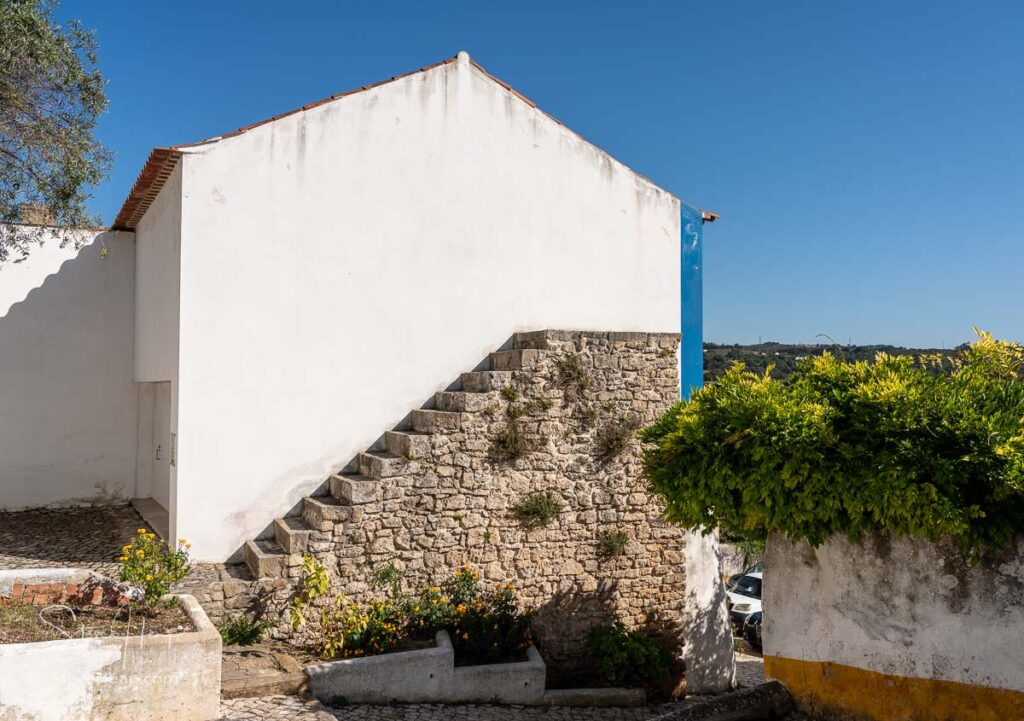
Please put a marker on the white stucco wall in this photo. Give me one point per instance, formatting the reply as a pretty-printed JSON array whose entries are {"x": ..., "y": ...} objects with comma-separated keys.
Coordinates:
[
  {"x": 157, "y": 304},
  {"x": 341, "y": 264},
  {"x": 67, "y": 400},
  {"x": 158, "y": 239},
  {"x": 901, "y": 607}
]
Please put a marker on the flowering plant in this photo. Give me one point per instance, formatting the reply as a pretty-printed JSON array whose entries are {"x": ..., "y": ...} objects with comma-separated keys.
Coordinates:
[
  {"x": 151, "y": 566},
  {"x": 485, "y": 625}
]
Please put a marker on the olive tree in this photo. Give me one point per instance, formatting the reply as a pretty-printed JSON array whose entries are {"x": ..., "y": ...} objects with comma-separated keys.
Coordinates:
[{"x": 51, "y": 94}]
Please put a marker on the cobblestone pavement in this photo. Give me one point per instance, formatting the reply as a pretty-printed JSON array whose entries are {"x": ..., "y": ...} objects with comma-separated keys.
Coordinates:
[
  {"x": 270, "y": 708},
  {"x": 749, "y": 668},
  {"x": 82, "y": 537},
  {"x": 749, "y": 672}
]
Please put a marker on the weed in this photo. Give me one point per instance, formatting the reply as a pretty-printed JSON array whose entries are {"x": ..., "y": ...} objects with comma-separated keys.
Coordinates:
[
  {"x": 388, "y": 577},
  {"x": 572, "y": 374},
  {"x": 512, "y": 443},
  {"x": 614, "y": 437},
  {"x": 611, "y": 544},
  {"x": 537, "y": 509},
  {"x": 243, "y": 631},
  {"x": 509, "y": 393}
]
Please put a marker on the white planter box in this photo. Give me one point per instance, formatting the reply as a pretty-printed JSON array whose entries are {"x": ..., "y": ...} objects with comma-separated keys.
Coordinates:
[
  {"x": 429, "y": 676},
  {"x": 166, "y": 677}
]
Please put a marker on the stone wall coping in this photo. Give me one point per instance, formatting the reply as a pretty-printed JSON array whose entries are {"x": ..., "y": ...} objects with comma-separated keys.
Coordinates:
[{"x": 611, "y": 335}]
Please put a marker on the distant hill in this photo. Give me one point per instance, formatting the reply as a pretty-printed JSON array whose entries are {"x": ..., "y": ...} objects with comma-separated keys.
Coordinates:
[{"x": 785, "y": 356}]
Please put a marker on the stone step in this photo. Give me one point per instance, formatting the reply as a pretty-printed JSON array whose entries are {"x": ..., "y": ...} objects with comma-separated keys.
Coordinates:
[
  {"x": 323, "y": 512},
  {"x": 266, "y": 559},
  {"x": 485, "y": 381},
  {"x": 426, "y": 421},
  {"x": 463, "y": 401},
  {"x": 407, "y": 444},
  {"x": 292, "y": 534},
  {"x": 515, "y": 360},
  {"x": 381, "y": 464},
  {"x": 353, "y": 489},
  {"x": 537, "y": 340}
]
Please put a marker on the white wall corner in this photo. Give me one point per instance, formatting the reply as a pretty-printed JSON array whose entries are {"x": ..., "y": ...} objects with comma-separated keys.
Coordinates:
[{"x": 707, "y": 638}]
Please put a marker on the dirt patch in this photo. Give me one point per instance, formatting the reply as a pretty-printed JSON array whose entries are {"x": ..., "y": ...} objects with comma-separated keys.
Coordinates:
[{"x": 31, "y": 624}]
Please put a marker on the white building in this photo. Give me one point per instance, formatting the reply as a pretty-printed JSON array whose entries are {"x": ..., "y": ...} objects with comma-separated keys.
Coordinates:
[{"x": 275, "y": 298}]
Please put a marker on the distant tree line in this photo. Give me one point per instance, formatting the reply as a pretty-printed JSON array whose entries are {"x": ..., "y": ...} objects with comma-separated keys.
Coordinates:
[{"x": 784, "y": 357}]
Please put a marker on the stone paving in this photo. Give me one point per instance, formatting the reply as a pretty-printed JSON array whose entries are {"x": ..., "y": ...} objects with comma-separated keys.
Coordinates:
[
  {"x": 81, "y": 537},
  {"x": 291, "y": 707},
  {"x": 749, "y": 668}
]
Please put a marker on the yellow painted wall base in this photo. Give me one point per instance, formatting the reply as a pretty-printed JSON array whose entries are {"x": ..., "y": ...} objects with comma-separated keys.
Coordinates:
[{"x": 866, "y": 694}]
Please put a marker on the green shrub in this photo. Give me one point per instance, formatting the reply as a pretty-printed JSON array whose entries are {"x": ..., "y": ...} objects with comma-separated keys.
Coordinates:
[
  {"x": 627, "y": 658},
  {"x": 931, "y": 449},
  {"x": 537, "y": 509},
  {"x": 485, "y": 625},
  {"x": 243, "y": 631},
  {"x": 611, "y": 544},
  {"x": 352, "y": 630}
]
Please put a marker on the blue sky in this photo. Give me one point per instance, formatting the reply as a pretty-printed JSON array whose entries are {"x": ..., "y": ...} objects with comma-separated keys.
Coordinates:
[{"x": 867, "y": 158}]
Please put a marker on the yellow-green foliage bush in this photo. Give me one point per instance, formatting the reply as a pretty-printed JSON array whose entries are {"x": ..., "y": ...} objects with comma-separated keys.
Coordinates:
[{"x": 929, "y": 448}]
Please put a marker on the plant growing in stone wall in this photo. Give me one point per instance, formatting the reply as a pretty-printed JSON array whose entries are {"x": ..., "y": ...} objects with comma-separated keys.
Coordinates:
[
  {"x": 513, "y": 440},
  {"x": 537, "y": 509},
  {"x": 572, "y": 375},
  {"x": 611, "y": 544},
  {"x": 613, "y": 438}
]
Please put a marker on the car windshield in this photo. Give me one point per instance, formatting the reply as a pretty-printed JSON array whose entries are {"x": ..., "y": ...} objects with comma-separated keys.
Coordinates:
[{"x": 748, "y": 586}]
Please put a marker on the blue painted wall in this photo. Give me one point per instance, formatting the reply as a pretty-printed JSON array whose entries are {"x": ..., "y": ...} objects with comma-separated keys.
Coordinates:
[{"x": 691, "y": 301}]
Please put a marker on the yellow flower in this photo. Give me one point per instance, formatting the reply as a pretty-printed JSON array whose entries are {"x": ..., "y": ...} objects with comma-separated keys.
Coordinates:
[
  {"x": 465, "y": 637},
  {"x": 123, "y": 558},
  {"x": 141, "y": 531},
  {"x": 188, "y": 545},
  {"x": 140, "y": 553},
  {"x": 182, "y": 540},
  {"x": 149, "y": 576}
]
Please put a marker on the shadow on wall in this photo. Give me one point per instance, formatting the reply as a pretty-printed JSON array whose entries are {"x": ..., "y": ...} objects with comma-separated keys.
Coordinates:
[
  {"x": 67, "y": 393},
  {"x": 564, "y": 622}
]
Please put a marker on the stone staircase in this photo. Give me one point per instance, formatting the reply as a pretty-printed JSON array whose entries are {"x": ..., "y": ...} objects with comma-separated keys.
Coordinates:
[{"x": 404, "y": 453}]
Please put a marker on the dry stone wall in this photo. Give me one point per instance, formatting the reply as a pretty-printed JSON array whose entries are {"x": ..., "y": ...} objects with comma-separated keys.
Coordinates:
[{"x": 562, "y": 424}]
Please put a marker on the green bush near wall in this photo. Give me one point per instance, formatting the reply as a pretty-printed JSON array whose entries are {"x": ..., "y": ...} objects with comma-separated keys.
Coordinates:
[{"x": 931, "y": 448}]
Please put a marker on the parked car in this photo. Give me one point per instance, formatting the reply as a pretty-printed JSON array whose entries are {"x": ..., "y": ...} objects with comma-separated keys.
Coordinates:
[
  {"x": 752, "y": 629},
  {"x": 730, "y": 581},
  {"x": 744, "y": 595}
]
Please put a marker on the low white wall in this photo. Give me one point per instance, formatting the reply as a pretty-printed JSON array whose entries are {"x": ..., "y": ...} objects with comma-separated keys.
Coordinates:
[
  {"x": 67, "y": 399},
  {"x": 341, "y": 264},
  {"x": 429, "y": 676},
  {"x": 160, "y": 677},
  {"x": 916, "y": 615}
]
